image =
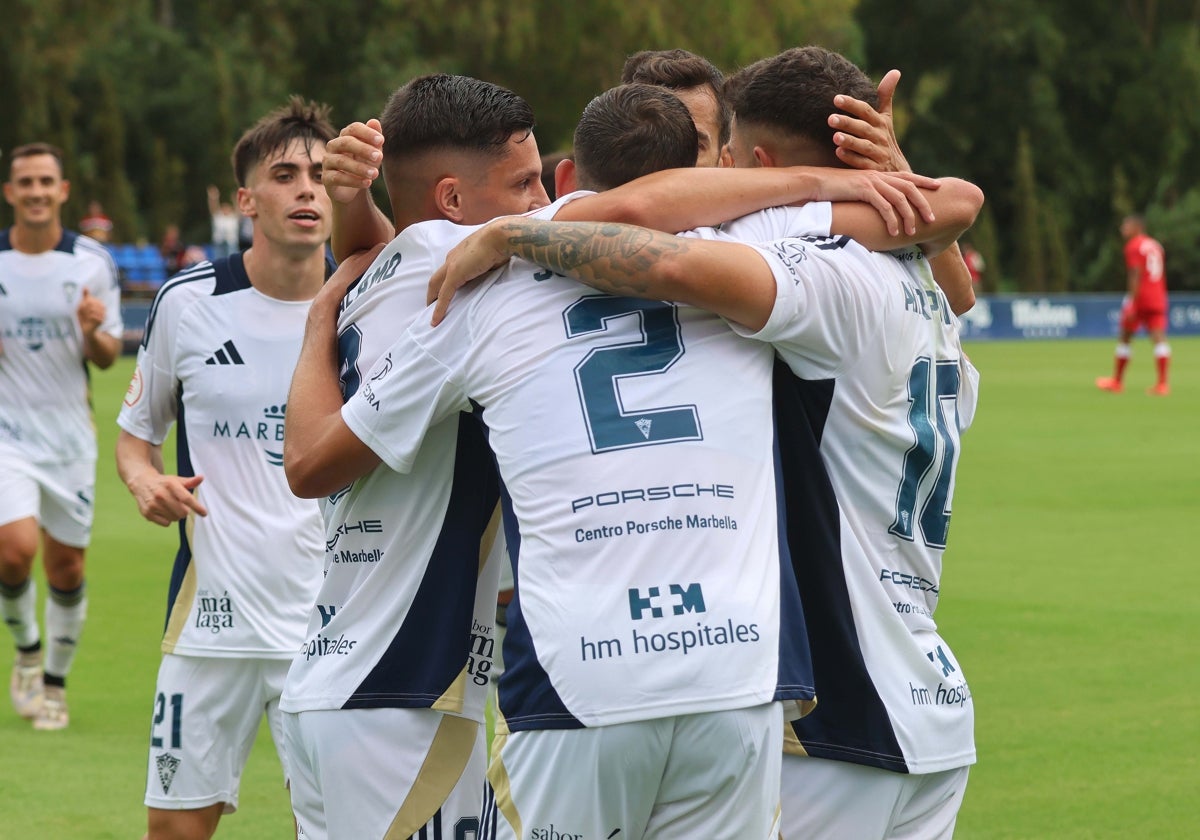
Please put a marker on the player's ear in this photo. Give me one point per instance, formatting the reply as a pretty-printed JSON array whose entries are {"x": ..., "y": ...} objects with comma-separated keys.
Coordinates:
[
  {"x": 762, "y": 157},
  {"x": 725, "y": 161},
  {"x": 64, "y": 190},
  {"x": 564, "y": 177},
  {"x": 449, "y": 199},
  {"x": 245, "y": 203}
]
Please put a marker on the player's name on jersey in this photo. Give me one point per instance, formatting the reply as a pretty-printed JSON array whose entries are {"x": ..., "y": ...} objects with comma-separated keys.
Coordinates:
[{"x": 667, "y": 523}]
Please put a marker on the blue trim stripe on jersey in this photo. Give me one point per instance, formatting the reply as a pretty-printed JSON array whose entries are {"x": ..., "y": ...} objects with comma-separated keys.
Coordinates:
[
  {"x": 429, "y": 649},
  {"x": 184, "y": 468},
  {"x": 851, "y": 722},
  {"x": 199, "y": 271}
]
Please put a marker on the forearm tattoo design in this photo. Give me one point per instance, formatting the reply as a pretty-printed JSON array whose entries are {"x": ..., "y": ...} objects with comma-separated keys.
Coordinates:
[{"x": 613, "y": 258}]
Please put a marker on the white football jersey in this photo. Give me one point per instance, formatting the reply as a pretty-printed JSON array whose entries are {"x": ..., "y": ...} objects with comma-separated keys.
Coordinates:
[
  {"x": 217, "y": 358},
  {"x": 635, "y": 444},
  {"x": 45, "y": 411},
  {"x": 880, "y": 386}
]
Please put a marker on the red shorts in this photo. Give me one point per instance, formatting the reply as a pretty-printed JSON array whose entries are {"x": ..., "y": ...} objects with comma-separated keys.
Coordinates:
[{"x": 1153, "y": 320}]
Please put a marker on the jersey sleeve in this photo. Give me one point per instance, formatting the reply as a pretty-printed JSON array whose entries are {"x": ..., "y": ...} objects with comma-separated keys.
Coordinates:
[
  {"x": 106, "y": 285},
  {"x": 812, "y": 219},
  {"x": 824, "y": 315},
  {"x": 150, "y": 406},
  {"x": 404, "y": 394}
]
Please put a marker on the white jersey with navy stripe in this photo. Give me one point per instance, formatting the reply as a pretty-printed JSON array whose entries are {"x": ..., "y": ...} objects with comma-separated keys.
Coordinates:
[
  {"x": 882, "y": 386},
  {"x": 217, "y": 359},
  {"x": 635, "y": 445},
  {"x": 45, "y": 415}
]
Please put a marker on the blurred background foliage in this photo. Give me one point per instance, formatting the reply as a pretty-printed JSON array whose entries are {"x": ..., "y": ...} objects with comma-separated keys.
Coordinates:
[{"x": 1068, "y": 114}]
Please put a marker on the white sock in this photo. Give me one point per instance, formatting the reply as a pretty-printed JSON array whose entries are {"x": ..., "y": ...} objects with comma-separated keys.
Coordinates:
[
  {"x": 65, "y": 614},
  {"x": 18, "y": 606}
]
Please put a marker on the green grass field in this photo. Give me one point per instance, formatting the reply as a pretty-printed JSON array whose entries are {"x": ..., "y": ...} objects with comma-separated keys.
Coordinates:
[{"x": 1072, "y": 600}]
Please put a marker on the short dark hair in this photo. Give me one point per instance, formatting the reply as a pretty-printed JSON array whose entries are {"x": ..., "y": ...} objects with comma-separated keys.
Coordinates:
[
  {"x": 458, "y": 112},
  {"x": 630, "y": 131},
  {"x": 679, "y": 70},
  {"x": 794, "y": 91},
  {"x": 298, "y": 120},
  {"x": 31, "y": 149}
]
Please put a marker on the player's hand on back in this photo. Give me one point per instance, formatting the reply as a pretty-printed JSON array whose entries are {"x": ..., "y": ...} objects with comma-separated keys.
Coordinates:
[
  {"x": 352, "y": 160},
  {"x": 474, "y": 257},
  {"x": 866, "y": 139}
]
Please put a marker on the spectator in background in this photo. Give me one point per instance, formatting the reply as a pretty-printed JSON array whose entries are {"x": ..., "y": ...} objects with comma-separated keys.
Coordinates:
[
  {"x": 975, "y": 264},
  {"x": 225, "y": 236},
  {"x": 172, "y": 249},
  {"x": 96, "y": 224},
  {"x": 1145, "y": 305}
]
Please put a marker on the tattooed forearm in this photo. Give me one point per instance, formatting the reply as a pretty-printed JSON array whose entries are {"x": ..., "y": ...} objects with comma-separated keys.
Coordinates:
[{"x": 614, "y": 258}]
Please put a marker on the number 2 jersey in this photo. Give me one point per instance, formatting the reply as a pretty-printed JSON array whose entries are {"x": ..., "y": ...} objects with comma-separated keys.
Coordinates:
[
  {"x": 635, "y": 445},
  {"x": 874, "y": 378},
  {"x": 217, "y": 359},
  {"x": 45, "y": 410}
]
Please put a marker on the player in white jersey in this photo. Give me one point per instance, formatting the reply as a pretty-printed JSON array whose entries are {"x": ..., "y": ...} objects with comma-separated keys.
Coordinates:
[
  {"x": 394, "y": 571},
  {"x": 899, "y": 701},
  {"x": 217, "y": 358},
  {"x": 59, "y": 311}
]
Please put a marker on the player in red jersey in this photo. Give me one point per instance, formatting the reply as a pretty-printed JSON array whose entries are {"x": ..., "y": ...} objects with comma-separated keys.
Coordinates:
[{"x": 1145, "y": 305}]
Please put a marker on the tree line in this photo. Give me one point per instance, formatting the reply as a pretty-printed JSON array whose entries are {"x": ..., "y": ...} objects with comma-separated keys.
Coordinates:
[{"x": 1069, "y": 115}]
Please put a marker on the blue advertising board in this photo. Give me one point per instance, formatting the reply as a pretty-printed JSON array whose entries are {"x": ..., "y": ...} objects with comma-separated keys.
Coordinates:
[
  {"x": 994, "y": 317},
  {"x": 1065, "y": 316}
]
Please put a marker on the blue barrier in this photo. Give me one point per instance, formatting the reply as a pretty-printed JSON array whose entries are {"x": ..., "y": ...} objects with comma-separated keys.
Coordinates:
[
  {"x": 1065, "y": 316},
  {"x": 994, "y": 317}
]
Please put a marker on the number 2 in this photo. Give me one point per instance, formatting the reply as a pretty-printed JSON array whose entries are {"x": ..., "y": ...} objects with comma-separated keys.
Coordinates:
[
  {"x": 932, "y": 398},
  {"x": 598, "y": 377}
]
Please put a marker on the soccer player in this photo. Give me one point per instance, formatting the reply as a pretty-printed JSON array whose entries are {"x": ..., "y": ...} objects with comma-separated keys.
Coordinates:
[
  {"x": 1145, "y": 305},
  {"x": 59, "y": 312},
  {"x": 887, "y": 749},
  {"x": 698, "y": 84},
  {"x": 308, "y": 455},
  {"x": 220, "y": 346}
]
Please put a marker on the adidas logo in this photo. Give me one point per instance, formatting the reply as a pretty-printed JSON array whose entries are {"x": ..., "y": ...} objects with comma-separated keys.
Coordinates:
[{"x": 226, "y": 355}]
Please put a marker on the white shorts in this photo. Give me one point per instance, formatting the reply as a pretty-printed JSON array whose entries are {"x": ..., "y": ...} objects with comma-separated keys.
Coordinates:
[
  {"x": 58, "y": 495},
  {"x": 712, "y": 775},
  {"x": 206, "y": 716},
  {"x": 374, "y": 773},
  {"x": 833, "y": 800}
]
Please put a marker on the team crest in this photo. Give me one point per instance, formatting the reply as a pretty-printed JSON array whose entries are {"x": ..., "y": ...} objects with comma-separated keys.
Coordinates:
[
  {"x": 644, "y": 427},
  {"x": 167, "y": 765}
]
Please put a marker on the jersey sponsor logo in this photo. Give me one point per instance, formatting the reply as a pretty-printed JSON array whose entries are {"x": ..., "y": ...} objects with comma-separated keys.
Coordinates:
[
  {"x": 938, "y": 657},
  {"x": 944, "y": 694},
  {"x": 327, "y": 611},
  {"x": 686, "y": 599},
  {"x": 667, "y": 523},
  {"x": 327, "y": 646},
  {"x": 363, "y": 556},
  {"x": 481, "y": 654},
  {"x": 267, "y": 430},
  {"x": 909, "y": 581},
  {"x": 34, "y": 332},
  {"x": 682, "y": 641},
  {"x": 226, "y": 354},
  {"x": 362, "y": 526},
  {"x": 653, "y": 494},
  {"x": 553, "y": 833},
  {"x": 214, "y": 611},
  {"x": 136, "y": 388}
]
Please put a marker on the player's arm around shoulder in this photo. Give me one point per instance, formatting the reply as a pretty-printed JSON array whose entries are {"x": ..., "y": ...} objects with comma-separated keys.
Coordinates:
[{"x": 320, "y": 452}]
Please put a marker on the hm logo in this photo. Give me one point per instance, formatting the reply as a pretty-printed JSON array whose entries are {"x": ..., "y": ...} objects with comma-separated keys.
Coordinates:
[
  {"x": 687, "y": 600},
  {"x": 327, "y": 614}
]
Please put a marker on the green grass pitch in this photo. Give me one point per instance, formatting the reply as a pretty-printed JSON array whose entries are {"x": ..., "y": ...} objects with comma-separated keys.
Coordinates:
[{"x": 1072, "y": 599}]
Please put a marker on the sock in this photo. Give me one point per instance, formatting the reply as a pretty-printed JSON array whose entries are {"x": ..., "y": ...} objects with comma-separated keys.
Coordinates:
[
  {"x": 1162, "y": 360},
  {"x": 1121, "y": 359},
  {"x": 65, "y": 613},
  {"x": 18, "y": 606}
]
